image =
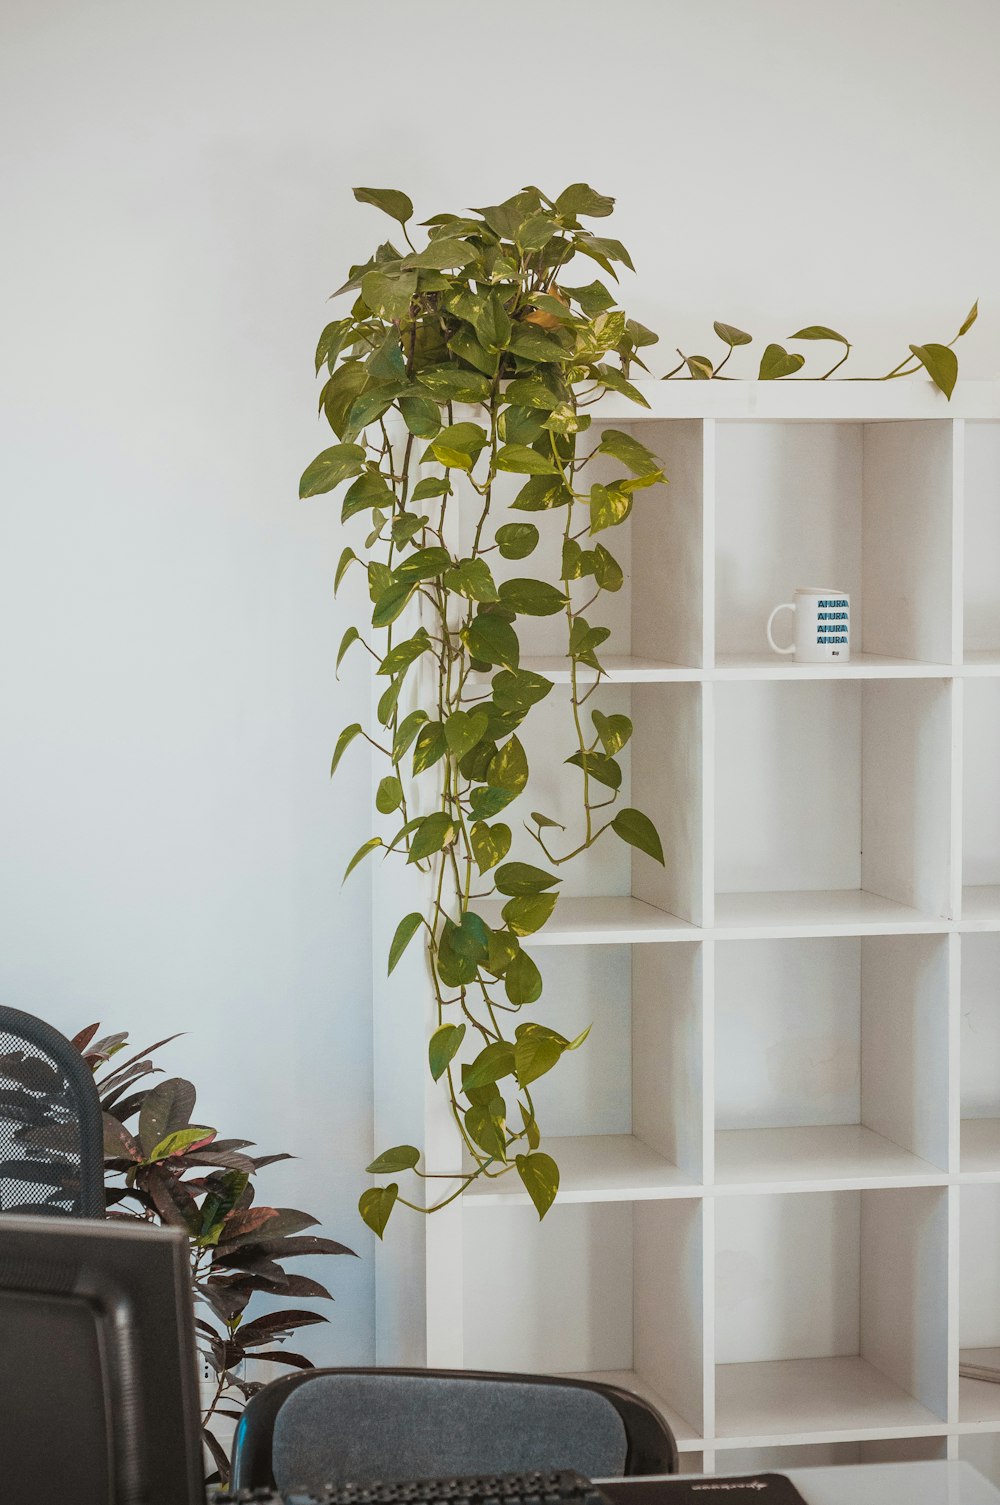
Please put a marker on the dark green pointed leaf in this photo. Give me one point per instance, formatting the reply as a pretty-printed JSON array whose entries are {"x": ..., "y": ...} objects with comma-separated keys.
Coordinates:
[
  {"x": 819, "y": 332},
  {"x": 392, "y": 603},
  {"x": 442, "y": 253},
  {"x": 404, "y": 654},
  {"x": 730, "y": 335},
  {"x": 352, "y": 635},
  {"x": 390, "y": 200},
  {"x": 522, "y": 878},
  {"x": 402, "y": 1157},
  {"x": 540, "y": 1176},
  {"x": 603, "y": 246},
  {"x": 584, "y": 640},
  {"x": 626, "y": 448},
  {"x": 464, "y": 729},
  {"x": 519, "y": 691},
  {"x": 388, "y": 701},
  {"x": 531, "y": 1133},
  {"x": 970, "y": 319},
  {"x": 451, "y": 383},
  {"x": 509, "y": 768},
  {"x": 593, "y": 299},
  {"x": 405, "y": 733},
  {"x": 522, "y": 980},
  {"x": 523, "y": 460},
  {"x": 503, "y": 948},
  {"x": 434, "y": 833},
  {"x": 941, "y": 365},
  {"x": 430, "y": 486},
  {"x": 544, "y": 821},
  {"x": 532, "y": 598},
  {"x": 638, "y": 830},
  {"x": 473, "y": 579},
  {"x": 491, "y": 640},
  {"x": 369, "y": 491},
  {"x": 431, "y": 746},
  {"x": 421, "y": 416},
  {"x": 607, "y": 571},
  {"x": 580, "y": 198},
  {"x": 333, "y": 465},
  {"x": 609, "y": 506},
  {"x": 536, "y": 1052},
  {"x": 444, "y": 1045},
  {"x": 541, "y": 494},
  {"x": 525, "y": 915},
  {"x": 605, "y": 770},
  {"x": 490, "y": 844},
  {"x": 344, "y": 741},
  {"x": 616, "y": 382},
  {"x": 485, "y": 803},
  {"x": 614, "y": 731},
  {"x": 486, "y": 1127},
  {"x": 517, "y": 540},
  {"x": 493, "y": 1063},
  {"x": 361, "y": 854},
  {"x": 341, "y": 392},
  {"x": 461, "y": 949},
  {"x": 423, "y": 564},
  {"x": 389, "y": 795},
  {"x": 458, "y": 447},
  {"x": 389, "y": 297},
  {"x": 376, "y": 1204},
  {"x": 347, "y": 558},
  {"x": 405, "y": 931},
  {"x": 776, "y": 362}
]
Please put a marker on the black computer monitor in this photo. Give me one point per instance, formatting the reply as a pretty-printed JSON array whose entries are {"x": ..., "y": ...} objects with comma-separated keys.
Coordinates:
[{"x": 98, "y": 1377}]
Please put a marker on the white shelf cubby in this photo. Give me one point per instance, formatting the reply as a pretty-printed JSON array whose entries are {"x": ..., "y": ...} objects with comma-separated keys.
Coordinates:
[{"x": 780, "y": 1145}]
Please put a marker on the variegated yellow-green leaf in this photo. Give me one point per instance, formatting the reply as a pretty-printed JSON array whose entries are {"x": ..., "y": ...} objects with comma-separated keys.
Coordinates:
[
  {"x": 444, "y": 1044},
  {"x": 405, "y": 931},
  {"x": 540, "y": 1176},
  {"x": 376, "y": 1204}
]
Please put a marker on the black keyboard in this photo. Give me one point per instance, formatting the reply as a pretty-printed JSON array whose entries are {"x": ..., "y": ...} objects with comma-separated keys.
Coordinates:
[{"x": 558, "y": 1487}]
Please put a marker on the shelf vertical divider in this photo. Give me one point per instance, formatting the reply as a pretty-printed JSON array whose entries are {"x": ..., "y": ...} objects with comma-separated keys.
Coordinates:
[
  {"x": 709, "y": 470},
  {"x": 954, "y": 1196},
  {"x": 958, "y": 430},
  {"x": 708, "y": 1326}
]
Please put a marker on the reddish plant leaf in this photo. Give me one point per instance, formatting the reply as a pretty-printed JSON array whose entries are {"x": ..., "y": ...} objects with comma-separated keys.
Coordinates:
[
  {"x": 83, "y": 1039},
  {"x": 264, "y": 1329}
]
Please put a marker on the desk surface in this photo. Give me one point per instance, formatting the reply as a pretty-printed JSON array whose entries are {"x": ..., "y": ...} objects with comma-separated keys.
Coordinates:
[{"x": 930, "y": 1483}]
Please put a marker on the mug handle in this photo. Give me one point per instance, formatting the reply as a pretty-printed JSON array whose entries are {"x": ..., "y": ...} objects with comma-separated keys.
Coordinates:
[{"x": 785, "y": 606}]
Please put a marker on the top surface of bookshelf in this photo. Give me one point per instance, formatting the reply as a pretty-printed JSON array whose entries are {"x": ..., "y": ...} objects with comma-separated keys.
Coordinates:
[{"x": 803, "y": 401}]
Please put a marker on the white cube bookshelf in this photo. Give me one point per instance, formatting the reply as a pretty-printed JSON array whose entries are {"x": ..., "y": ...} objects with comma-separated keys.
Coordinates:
[{"x": 779, "y": 1214}]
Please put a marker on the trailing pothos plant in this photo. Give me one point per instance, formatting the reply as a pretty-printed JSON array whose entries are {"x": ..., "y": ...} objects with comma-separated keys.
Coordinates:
[
  {"x": 161, "y": 1168},
  {"x": 466, "y": 362},
  {"x": 489, "y": 313}
]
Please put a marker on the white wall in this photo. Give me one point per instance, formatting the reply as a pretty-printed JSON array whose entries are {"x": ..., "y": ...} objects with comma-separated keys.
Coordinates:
[{"x": 176, "y": 205}]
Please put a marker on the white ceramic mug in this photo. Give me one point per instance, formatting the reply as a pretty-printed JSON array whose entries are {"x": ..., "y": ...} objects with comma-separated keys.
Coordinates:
[{"x": 822, "y": 626}]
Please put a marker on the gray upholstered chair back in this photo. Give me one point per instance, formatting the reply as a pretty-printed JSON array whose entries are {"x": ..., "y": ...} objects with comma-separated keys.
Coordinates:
[
  {"x": 51, "y": 1153},
  {"x": 331, "y": 1426}
]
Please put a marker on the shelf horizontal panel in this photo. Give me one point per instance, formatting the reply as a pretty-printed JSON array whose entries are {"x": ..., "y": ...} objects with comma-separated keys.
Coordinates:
[
  {"x": 688, "y": 1440},
  {"x": 620, "y": 670},
  {"x": 861, "y": 666},
  {"x": 979, "y": 1400},
  {"x": 600, "y": 922},
  {"x": 985, "y": 661},
  {"x": 842, "y": 911},
  {"x": 980, "y": 1147},
  {"x": 816, "y": 1157},
  {"x": 803, "y": 401},
  {"x": 767, "y": 1403},
  {"x": 981, "y": 907},
  {"x": 594, "y": 1168}
]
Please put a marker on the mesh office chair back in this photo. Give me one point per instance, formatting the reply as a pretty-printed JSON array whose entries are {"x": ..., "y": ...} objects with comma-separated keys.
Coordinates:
[
  {"x": 51, "y": 1152},
  {"x": 359, "y": 1425}
]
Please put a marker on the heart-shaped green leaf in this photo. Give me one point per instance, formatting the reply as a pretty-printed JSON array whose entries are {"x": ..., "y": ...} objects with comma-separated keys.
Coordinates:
[
  {"x": 522, "y": 878},
  {"x": 376, "y": 1204},
  {"x": 390, "y": 200},
  {"x": 444, "y": 1044},
  {"x": 344, "y": 741},
  {"x": 361, "y": 854},
  {"x": 336, "y": 464},
  {"x": 405, "y": 931},
  {"x": 540, "y": 1176},
  {"x": 525, "y": 915},
  {"x": 490, "y": 844},
  {"x": 732, "y": 336},
  {"x": 517, "y": 540},
  {"x": 435, "y": 832},
  {"x": 941, "y": 365},
  {"x": 402, "y": 1157},
  {"x": 522, "y": 980},
  {"x": 638, "y": 830},
  {"x": 820, "y": 332},
  {"x": 491, "y": 640},
  {"x": 777, "y": 362}
]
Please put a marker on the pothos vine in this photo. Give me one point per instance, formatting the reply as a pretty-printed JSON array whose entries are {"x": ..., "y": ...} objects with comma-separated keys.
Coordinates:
[{"x": 485, "y": 315}]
